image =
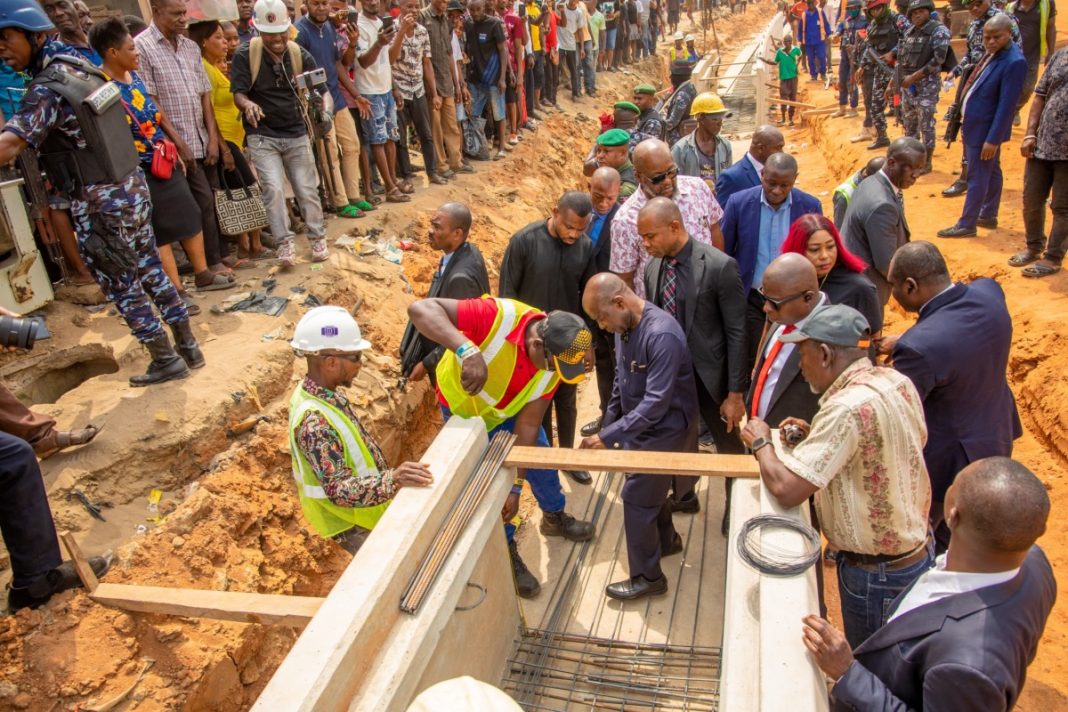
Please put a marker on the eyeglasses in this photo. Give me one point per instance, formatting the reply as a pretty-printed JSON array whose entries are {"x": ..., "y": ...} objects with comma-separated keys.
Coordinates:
[
  {"x": 777, "y": 304},
  {"x": 661, "y": 177},
  {"x": 353, "y": 357}
]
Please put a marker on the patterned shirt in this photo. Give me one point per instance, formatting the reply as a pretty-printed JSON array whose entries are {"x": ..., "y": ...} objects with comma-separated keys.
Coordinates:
[
  {"x": 700, "y": 212},
  {"x": 865, "y": 453},
  {"x": 1053, "y": 125},
  {"x": 176, "y": 78},
  {"x": 139, "y": 103},
  {"x": 408, "y": 69},
  {"x": 43, "y": 111},
  {"x": 321, "y": 444}
]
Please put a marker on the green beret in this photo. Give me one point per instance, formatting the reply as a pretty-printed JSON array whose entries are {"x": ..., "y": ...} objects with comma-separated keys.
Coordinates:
[
  {"x": 629, "y": 106},
  {"x": 613, "y": 137},
  {"x": 645, "y": 89}
]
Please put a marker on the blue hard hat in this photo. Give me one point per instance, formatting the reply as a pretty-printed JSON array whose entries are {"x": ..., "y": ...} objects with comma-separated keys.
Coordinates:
[{"x": 25, "y": 15}]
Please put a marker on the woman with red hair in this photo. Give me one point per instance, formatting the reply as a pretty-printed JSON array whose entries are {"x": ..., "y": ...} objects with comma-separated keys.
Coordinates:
[{"x": 841, "y": 273}]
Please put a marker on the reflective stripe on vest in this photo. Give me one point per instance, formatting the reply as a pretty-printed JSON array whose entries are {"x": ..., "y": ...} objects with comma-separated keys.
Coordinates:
[
  {"x": 1043, "y": 22},
  {"x": 846, "y": 189},
  {"x": 327, "y": 518},
  {"x": 500, "y": 356}
]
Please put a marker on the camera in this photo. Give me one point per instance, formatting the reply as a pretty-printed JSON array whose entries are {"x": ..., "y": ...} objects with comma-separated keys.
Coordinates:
[
  {"x": 314, "y": 79},
  {"x": 18, "y": 332}
]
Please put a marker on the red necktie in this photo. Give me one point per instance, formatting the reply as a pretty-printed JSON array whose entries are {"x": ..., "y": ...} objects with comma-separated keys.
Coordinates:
[{"x": 758, "y": 389}]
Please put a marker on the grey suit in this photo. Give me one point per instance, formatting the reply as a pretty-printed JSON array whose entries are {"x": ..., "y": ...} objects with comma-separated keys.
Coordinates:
[
  {"x": 967, "y": 651},
  {"x": 875, "y": 227}
]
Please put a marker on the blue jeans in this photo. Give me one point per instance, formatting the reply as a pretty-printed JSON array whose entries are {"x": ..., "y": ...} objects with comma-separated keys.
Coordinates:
[
  {"x": 866, "y": 595},
  {"x": 589, "y": 67},
  {"x": 545, "y": 484},
  {"x": 481, "y": 95},
  {"x": 382, "y": 126}
]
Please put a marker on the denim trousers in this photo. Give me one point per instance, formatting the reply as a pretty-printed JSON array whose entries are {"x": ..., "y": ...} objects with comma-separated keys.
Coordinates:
[
  {"x": 25, "y": 518},
  {"x": 589, "y": 64},
  {"x": 276, "y": 159},
  {"x": 867, "y": 594}
]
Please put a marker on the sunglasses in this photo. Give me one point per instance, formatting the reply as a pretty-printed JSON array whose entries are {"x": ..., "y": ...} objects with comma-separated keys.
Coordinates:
[
  {"x": 777, "y": 304},
  {"x": 661, "y": 177}
]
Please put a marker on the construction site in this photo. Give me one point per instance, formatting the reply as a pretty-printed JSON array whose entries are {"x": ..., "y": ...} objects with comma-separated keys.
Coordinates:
[{"x": 222, "y": 597}]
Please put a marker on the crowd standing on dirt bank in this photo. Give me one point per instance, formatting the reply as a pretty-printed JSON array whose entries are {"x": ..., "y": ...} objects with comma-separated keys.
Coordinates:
[{"x": 710, "y": 297}]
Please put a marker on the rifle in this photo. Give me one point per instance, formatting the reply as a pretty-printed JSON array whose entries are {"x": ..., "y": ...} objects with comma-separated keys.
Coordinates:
[
  {"x": 37, "y": 206},
  {"x": 893, "y": 71},
  {"x": 954, "y": 116}
]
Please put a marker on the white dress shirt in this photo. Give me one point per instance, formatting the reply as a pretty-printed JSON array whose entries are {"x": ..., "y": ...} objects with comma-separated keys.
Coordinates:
[{"x": 937, "y": 583}]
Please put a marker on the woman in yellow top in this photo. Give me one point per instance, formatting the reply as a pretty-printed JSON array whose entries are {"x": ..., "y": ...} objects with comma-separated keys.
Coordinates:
[{"x": 211, "y": 36}]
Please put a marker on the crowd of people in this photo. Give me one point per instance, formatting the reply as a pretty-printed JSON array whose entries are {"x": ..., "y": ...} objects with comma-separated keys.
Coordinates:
[{"x": 710, "y": 297}]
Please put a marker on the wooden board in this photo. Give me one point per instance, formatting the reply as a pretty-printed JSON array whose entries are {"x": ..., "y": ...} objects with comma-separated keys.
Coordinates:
[
  {"x": 293, "y": 611},
  {"x": 653, "y": 463},
  {"x": 81, "y": 564}
]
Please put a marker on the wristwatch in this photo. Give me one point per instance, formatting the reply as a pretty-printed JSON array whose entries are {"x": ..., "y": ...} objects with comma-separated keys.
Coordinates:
[{"x": 757, "y": 444}]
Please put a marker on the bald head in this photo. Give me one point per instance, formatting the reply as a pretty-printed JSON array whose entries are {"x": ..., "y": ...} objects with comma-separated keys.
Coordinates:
[
  {"x": 655, "y": 169},
  {"x": 766, "y": 141},
  {"x": 603, "y": 287},
  {"x": 605, "y": 178},
  {"x": 874, "y": 166},
  {"x": 999, "y": 22},
  {"x": 650, "y": 152},
  {"x": 611, "y": 303},
  {"x": 781, "y": 163},
  {"x": 789, "y": 274},
  {"x": 998, "y": 505},
  {"x": 658, "y": 212},
  {"x": 921, "y": 262},
  {"x": 459, "y": 217}
]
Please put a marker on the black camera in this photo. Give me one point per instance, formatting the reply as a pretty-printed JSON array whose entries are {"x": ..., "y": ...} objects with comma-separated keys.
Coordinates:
[{"x": 18, "y": 332}]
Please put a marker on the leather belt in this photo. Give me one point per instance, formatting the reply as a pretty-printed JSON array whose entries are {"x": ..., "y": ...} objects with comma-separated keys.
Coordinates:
[{"x": 891, "y": 562}]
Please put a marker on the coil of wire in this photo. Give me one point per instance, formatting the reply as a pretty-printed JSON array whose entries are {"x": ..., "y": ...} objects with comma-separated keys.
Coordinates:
[{"x": 774, "y": 560}]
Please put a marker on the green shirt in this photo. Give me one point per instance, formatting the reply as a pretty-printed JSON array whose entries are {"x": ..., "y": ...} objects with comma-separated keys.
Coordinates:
[
  {"x": 597, "y": 24},
  {"x": 788, "y": 62}
]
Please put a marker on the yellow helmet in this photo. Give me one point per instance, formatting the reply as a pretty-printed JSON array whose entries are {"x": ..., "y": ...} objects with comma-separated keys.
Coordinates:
[{"x": 707, "y": 103}]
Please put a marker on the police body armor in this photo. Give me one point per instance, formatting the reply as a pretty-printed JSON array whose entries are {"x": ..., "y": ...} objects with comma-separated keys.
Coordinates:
[
  {"x": 109, "y": 155},
  {"x": 915, "y": 50},
  {"x": 883, "y": 36}
]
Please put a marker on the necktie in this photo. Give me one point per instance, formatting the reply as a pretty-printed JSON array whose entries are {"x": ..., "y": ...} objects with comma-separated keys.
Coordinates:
[
  {"x": 441, "y": 268},
  {"x": 670, "y": 286},
  {"x": 975, "y": 74},
  {"x": 758, "y": 389}
]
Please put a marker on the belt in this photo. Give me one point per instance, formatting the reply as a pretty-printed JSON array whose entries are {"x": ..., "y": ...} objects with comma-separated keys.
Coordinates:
[{"x": 891, "y": 562}]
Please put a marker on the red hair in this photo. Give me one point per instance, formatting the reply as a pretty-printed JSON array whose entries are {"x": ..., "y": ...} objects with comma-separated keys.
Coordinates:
[{"x": 806, "y": 226}]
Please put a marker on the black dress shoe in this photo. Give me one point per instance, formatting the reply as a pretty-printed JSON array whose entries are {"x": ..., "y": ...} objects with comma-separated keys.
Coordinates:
[
  {"x": 687, "y": 505},
  {"x": 580, "y": 476},
  {"x": 957, "y": 231},
  {"x": 636, "y": 587},
  {"x": 958, "y": 187},
  {"x": 989, "y": 224},
  {"x": 591, "y": 428},
  {"x": 62, "y": 578},
  {"x": 675, "y": 548}
]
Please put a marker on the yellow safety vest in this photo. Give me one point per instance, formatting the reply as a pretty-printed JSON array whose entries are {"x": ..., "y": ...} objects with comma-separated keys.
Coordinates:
[
  {"x": 846, "y": 188},
  {"x": 1043, "y": 22},
  {"x": 326, "y": 517},
  {"x": 500, "y": 356}
]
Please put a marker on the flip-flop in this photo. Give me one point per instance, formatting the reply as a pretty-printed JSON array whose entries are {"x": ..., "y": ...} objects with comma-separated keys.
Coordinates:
[
  {"x": 218, "y": 282},
  {"x": 363, "y": 205},
  {"x": 63, "y": 439},
  {"x": 397, "y": 197},
  {"x": 350, "y": 211},
  {"x": 373, "y": 199},
  {"x": 1039, "y": 270},
  {"x": 406, "y": 187},
  {"x": 265, "y": 253},
  {"x": 1022, "y": 259},
  {"x": 191, "y": 307}
]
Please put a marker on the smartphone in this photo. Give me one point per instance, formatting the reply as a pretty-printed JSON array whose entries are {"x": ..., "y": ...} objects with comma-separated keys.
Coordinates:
[
  {"x": 387, "y": 23},
  {"x": 354, "y": 16}
]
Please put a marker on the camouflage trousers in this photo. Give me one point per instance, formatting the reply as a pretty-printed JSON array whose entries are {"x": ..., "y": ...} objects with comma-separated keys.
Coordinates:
[
  {"x": 880, "y": 80},
  {"x": 133, "y": 291},
  {"x": 918, "y": 104}
]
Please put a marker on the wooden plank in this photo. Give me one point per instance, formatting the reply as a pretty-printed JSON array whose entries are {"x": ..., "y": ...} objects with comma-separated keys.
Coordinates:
[
  {"x": 333, "y": 655},
  {"x": 81, "y": 564},
  {"x": 292, "y": 611},
  {"x": 786, "y": 102},
  {"x": 647, "y": 462}
]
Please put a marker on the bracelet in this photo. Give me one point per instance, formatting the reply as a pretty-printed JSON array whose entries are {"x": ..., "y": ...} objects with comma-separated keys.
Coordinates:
[
  {"x": 466, "y": 350},
  {"x": 517, "y": 489},
  {"x": 1029, "y": 136}
]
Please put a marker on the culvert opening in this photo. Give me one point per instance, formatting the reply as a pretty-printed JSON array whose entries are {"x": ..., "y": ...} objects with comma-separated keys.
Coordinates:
[{"x": 51, "y": 383}]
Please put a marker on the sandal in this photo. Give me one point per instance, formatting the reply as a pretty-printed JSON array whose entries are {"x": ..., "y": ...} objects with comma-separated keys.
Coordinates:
[
  {"x": 363, "y": 205},
  {"x": 265, "y": 253},
  {"x": 211, "y": 282},
  {"x": 406, "y": 187},
  {"x": 349, "y": 211},
  {"x": 373, "y": 199},
  {"x": 396, "y": 196},
  {"x": 1022, "y": 259},
  {"x": 1040, "y": 269},
  {"x": 191, "y": 307},
  {"x": 500, "y": 155},
  {"x": 58, "y": 440}
]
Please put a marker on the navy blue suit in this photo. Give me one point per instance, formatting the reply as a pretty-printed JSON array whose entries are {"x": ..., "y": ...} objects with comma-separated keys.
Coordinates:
[
  {"x": 743, "y": 174},
  {"x": 991, "y": 104},
  {"x": 967, "y": 651},
  {"x": 956, "y": 355}
]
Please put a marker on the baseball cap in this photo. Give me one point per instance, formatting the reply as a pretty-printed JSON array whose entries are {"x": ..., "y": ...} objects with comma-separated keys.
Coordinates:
[
  {"x": 567, "y": 339},
  {"x": 454, "y": 6},
  {"x": 833, "y": 324}
]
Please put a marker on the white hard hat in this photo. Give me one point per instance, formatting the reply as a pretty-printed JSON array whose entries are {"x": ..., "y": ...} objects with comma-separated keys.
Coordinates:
[
  {"x": 462, "y": 694},
  {"x": 689, "y": 38},
  {"x": 270, "y": 16},
  {"x": 328, "y": 328},
  {"x": 678, "y": 36}
]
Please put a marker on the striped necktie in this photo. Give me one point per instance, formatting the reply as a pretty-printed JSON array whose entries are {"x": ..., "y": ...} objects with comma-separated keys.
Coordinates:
[{"x": 670, "y": 286}]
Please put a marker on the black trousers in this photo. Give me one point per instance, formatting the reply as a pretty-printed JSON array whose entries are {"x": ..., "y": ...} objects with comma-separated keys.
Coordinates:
[
  {"x": 416, "y": 112},
  {"x": 647, "y": 523},
  {"x": 604, "y": 352},
  {"x": 203, "y": 180},
  {"x": 552, "y": 80},
  {"x": 565, "y": 403},
  {"x": 25, "y": 518},
  {"x": 726, "y": 443},
  {"x": 569, "y": 57},
  {"x": 754, "y": 325}
]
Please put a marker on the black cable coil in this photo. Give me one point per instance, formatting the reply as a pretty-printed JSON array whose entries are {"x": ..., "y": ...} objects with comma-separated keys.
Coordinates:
[{"x": 776, "y": 561}]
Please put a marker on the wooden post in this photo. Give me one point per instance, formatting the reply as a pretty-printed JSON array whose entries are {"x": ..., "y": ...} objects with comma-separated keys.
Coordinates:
[{"x": 81, "y": 564}]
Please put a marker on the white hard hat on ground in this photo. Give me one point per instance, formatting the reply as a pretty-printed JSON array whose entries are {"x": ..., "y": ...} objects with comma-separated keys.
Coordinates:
[
  {"x": 270, "y": 16},
  {"x": 463, "y": 694},
  {"x": 327, "y": 328}
]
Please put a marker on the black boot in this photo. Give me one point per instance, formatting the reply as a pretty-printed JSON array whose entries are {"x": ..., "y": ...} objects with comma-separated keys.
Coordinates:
[
  {"x": 186, "y": 344},
  {"x": 881, "y": 141},
  {"x": 61, "y": 578},
  {"x": 166, "y": 365},
  {"x": 563, "y": 524},
  {"x": 525, "y": 584}
]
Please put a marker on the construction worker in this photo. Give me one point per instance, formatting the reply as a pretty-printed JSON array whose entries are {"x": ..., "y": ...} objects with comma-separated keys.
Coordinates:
[
  {"x": 844, "y": 192},
  {"x": 920, "y": 55},
  {"x": 343, "y": 480},
  {"x": 503, "y": 362},
  {"x": 705, "y": 153},
  {"x": 884, "y": 30}
]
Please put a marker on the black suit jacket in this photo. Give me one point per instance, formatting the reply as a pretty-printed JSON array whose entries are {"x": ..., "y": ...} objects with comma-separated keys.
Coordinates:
[
  {"x": 602, "y": 251},
  {"x": 714, "y": 318},
  {"x": 968, "y": 651},
  {"x": 465, "y": 277},
  {"x": 956, "y": 355},
  {"x": 792, "y": 397}
]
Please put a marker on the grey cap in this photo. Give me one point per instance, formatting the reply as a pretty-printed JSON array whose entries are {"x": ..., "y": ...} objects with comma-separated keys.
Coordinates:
[{"x": 832, "y": 324}]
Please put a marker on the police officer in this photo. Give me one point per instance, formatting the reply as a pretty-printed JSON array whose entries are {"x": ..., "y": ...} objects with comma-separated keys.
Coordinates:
[
  {"x": 73, "y": 116},
  {"x": 850, "y": 31},
  {"x": 885, "y": 28},
  {"x": 920, "y": 55},
  {"x": 981, "y": 11}
]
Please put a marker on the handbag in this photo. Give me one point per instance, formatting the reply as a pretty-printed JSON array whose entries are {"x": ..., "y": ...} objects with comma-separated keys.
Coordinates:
[
  {"x": 164, "y": 152},
  {"x": 239, "y": 209}
]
